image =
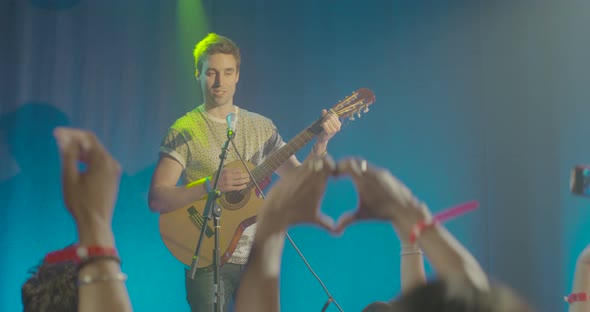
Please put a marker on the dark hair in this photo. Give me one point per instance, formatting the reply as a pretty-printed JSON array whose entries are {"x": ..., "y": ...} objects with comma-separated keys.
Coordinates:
[
  {"x": 456, "y": 296},
  {"x": 51, "y": 287}
]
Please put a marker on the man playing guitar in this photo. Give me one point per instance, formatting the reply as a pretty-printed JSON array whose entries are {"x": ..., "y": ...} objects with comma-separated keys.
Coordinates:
[{"x": 190, "y": 152}]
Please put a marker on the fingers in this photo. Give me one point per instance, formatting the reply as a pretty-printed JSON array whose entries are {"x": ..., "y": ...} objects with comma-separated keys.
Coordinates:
[
  {"x": 233, "y": 179},
  {"x": 329, "y": 128},
  {"x": 234, "y": 171},
  {"x": 98, "y": 179},
  {"x": 296, "y": 198},
  {"x": 355, "y": 167},
  {"x": 325, "y": 222},
  {"x": 70, "y": 153},
  {"x": 231, "y": 188},
  {"x": 344, "y": 221},
  {"x": 239, "y": 180},
  {"x": 319, "y": 165},
  {"x": 89, "y": 149},
  {"x": 235, "y": 174},
  {"x": 331, "y": 123}
]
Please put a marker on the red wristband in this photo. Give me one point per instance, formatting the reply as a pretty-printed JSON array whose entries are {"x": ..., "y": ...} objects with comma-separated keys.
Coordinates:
[
  {"x": 79, "y": 254},
  {"x": 581, "y": 296}
]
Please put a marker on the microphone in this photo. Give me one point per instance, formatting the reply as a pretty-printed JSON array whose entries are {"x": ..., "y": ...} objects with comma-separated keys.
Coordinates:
[{"x": 232, "y": 120}]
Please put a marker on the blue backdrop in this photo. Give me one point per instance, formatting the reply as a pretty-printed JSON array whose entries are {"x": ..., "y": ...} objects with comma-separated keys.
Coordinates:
[{"x": 483, "y": 100}]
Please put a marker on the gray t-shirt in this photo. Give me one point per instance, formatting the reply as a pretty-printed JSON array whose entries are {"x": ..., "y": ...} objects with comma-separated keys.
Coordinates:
[{"x": 195, "y": 141}]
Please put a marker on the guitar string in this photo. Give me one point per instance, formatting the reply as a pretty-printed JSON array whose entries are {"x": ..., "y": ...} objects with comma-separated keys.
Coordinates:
[{"x": 275, "y": 160}]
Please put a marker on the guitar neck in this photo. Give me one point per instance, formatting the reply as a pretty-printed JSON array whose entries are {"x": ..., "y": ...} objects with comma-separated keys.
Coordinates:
[{"x": 276, "y": 159}]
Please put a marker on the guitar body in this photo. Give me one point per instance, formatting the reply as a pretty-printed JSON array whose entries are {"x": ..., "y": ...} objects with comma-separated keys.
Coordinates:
[{"x": 180, "y": 229}]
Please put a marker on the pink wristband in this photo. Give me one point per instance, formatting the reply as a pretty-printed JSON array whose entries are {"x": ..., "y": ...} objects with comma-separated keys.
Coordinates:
[
  {"x": 419, "y": 227},
  {"x": 440, "y": 217}
]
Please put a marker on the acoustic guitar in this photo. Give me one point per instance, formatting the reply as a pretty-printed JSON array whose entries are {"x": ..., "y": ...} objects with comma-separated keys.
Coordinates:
[{"x": 180, "y": 228}]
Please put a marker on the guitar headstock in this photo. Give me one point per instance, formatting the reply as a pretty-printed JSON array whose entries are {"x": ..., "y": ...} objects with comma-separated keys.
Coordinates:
[{"x": 356, "y": 103}]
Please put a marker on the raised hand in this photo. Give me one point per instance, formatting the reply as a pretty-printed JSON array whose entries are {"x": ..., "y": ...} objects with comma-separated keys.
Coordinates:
[
  {"x": 296, "y": 198},
  {"x": 330, "y": 124},
  {"x": 382, "y": 197},
  {"x": 89, "y": 194}
]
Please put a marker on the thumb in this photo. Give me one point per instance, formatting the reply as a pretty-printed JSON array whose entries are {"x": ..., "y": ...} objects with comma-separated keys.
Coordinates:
[
  {"x": 344, "y": 221},
  {"x": 324, "y": 112},
  {"x": 325, "y": 222}
]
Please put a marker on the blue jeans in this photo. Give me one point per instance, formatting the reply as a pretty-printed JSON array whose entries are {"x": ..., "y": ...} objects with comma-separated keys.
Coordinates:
[{"x": 199, "y": 291}]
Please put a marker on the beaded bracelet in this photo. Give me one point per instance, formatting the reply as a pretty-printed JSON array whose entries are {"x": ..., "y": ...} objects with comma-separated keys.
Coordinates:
[
  {"x": 411, "y": 249},
  {"x": 89, "y": 279},
  {"x": 405, "y": 253}
]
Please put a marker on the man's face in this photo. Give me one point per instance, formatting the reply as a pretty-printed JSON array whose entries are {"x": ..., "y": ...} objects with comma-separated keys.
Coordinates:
[{"x": 218, "y": 79}]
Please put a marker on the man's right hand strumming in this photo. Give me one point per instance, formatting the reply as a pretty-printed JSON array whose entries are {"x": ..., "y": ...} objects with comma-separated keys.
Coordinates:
[
  {"x": 231, "y": 179},
  {"x": 166, "y": 196}
]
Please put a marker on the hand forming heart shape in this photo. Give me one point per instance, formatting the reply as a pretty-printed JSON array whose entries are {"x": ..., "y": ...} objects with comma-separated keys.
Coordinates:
[{"x": 296, "y": 198}]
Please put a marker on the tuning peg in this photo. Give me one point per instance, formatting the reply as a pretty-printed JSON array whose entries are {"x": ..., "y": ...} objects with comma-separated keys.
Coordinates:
[
  {"x": 366, "y": 110},
  {"x": 358, "y": 114},
  {"x": 351, "y": 117}
]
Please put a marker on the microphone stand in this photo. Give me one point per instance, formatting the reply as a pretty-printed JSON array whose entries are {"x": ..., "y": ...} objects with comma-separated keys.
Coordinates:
[
  {"x": 213, "y": 211},
  {"x": 330, "y": 297}
]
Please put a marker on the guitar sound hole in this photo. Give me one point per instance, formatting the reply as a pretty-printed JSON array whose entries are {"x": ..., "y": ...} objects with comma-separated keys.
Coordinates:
[{"x": 234, "y": 197}]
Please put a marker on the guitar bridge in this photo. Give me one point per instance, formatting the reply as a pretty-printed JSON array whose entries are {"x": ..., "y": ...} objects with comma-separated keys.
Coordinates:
[{"x": 198, "y": 220}]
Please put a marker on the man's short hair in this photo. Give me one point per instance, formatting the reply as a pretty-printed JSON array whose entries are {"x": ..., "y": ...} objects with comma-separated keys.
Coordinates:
[
  {"x": 214, "y": 44},
  {"x": 455, "y": 295},
  {"x": 51, "y": 287}
]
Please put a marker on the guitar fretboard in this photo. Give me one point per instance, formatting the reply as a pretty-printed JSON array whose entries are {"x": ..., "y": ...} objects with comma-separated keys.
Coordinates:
[{"x": 276, "y": 159}]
